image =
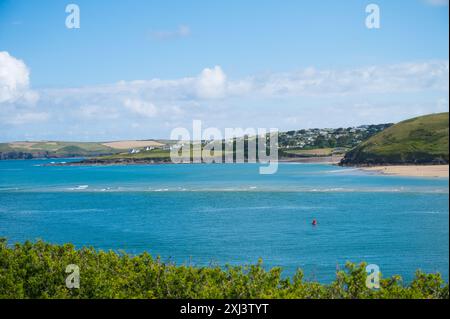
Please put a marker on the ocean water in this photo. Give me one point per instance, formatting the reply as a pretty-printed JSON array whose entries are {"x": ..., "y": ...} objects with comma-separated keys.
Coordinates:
[{"x": 229, "y": 214}]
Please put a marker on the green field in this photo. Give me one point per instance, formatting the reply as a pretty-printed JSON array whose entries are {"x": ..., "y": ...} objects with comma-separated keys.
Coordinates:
[
  {"x": 421, "y": 140},
  {"x": 48, "y": 149},
  {"x": 53, "y": 149},
  {"x": 53, "y": 146},
  {"x": 153, "y": 154}
]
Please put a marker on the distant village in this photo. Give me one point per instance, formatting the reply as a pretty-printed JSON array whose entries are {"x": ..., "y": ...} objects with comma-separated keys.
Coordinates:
[
  {"x": 137, "y": 150},
  {"x": 328, "y": 137},
  {"x": 338, "y": 138},
  {"x": 164, "y": 147}
]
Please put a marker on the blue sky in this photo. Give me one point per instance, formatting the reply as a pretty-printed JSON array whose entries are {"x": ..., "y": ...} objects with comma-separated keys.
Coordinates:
[{"x": 229, "y": 63}]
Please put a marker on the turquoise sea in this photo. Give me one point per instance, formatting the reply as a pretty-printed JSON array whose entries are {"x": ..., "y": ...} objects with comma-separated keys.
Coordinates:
[{"x": 229, "y": 214}]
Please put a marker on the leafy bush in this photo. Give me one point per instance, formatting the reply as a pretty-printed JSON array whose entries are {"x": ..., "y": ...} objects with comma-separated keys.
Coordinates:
[{"x": 37, "y": 270}]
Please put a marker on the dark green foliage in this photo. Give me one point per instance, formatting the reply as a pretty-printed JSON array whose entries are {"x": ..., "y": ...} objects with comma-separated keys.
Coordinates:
[{"x": 37, "y": 270}]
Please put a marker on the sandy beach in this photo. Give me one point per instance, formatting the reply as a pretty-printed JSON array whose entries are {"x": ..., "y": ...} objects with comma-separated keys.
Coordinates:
[{"x": 411, "y": 170}]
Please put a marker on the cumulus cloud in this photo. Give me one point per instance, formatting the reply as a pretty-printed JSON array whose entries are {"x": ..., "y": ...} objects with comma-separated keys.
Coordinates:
[
  {"x": 140, "y": 107},
  {"x": 140, "y": 97},
  {"x": 406, "y": 77},
  {"x": 94, "y": 112},
  {"x": 293, "y": 99},
  {"x": 14, "y": 80},
  {"x": 17, "y": 100},
  {"x": 211, "y": 83}
]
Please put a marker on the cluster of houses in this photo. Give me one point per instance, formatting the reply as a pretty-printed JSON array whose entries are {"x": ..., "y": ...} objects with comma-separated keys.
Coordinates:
[
  {"x": 151, "y": 148},
  {"x": 137, "y": 150},
  {"x": 339, "y": 136}
]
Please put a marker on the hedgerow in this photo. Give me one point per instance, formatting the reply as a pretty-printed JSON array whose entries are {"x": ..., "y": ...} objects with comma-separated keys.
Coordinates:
[{"x": 37, "y": 270}]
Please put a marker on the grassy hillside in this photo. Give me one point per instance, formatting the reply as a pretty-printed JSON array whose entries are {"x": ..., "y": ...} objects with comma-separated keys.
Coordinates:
[
  {"x": 153, "y": 154},
  {"x": 421, "y": 140},
  {"x": 293, "y": 144},
  {"x": 46, "y": 149}
]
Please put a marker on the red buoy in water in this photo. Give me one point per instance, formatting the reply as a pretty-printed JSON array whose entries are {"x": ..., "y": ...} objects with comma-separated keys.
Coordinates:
[{"x": 314, "y": 222}]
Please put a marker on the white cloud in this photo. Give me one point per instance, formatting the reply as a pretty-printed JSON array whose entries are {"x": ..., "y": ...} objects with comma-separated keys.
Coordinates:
[
  {"x": 14, "y": 80},
  {"x": 211, "y": 83},
  {"x": 140, "y": 107},
  {"x": 294, "y": 99},
  {"x": 181, "y": 32},
  {"x": 406, "y": 77},
  {"x": 437, "y": 2},
  {"x": 94, "y": 112},
  {"x": 27, "y": 118}
]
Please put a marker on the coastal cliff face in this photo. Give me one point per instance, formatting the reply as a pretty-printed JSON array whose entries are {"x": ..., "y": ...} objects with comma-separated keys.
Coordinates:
[{"x": 421, "y": 140}]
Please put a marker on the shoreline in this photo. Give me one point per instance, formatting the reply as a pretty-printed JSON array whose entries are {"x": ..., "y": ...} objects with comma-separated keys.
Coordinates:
[
  {"x": 407, "y": 170},
  {"x": 332, "y": 160},
  {"x": 435, "y": 171}
]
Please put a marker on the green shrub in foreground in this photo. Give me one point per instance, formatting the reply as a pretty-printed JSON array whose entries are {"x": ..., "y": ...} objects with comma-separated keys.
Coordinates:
[{"x": 37, "y": 270}]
